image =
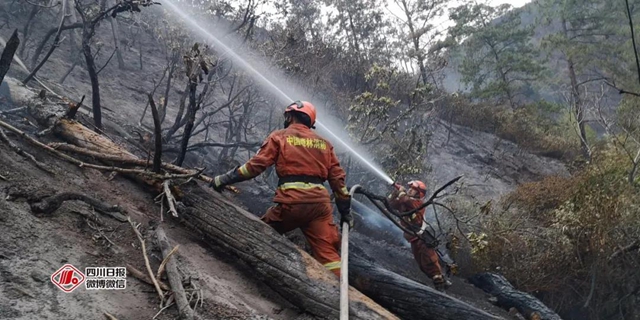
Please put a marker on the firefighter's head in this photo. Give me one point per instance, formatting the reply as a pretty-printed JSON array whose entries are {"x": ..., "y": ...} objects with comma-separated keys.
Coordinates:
[
  {"x": 417, "y": 189},
  {"x": 300, "y": 112}
]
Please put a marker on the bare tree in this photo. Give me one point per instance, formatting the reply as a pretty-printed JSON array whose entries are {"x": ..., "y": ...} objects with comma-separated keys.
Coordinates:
[
  {"x": 56, "y": 43},
  {"x": 418, "y": 16},
  {"x": 115, "y": 30},
  {"x": 196, "y": 64},
  {"x": 88, "y": 30},
  {"x": 27, "y": 27}
]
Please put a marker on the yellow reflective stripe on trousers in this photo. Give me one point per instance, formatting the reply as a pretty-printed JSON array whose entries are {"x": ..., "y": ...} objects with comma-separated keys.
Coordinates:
[
  {"x": 332, "y": 265},
  {"x": 299, "y": 185},
  {"x": 244, "y": 171}
]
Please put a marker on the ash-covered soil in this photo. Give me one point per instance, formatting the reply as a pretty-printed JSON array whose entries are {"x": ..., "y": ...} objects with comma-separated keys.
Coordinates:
[{"x": 33, "y": 247}]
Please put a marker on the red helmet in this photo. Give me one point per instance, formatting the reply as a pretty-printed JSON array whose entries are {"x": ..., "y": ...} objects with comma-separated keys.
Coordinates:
[
  {"x": 419, "y": 186},
  {"x": 305, "y": 107}
]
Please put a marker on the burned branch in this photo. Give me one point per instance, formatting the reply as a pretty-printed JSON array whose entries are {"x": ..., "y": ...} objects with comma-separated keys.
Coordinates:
[
  {"x": 170, "y": 199},
  {"x": 56, "y": 43},
  {"x": 46, "y": 38},
  {"x": 50, "y": 204},
  {"x": 73, "y": 160},
  {"x": 145, "y": 278},
  {"x": 71, "y": 114},
  {"x": 157, "y": 153},
  {"x": 175, "y": 279},
  {"x": 146, "y": 261},
  {"x": 18, "y": 150},
  {"x": 631, "y": 247},
  {"x": 14, "y": 110}
]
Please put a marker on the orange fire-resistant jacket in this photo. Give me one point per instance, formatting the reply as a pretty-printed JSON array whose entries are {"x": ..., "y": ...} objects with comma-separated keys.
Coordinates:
[
  {"x": 298, "y": 151},
  {"x": 404, "y": 203}
]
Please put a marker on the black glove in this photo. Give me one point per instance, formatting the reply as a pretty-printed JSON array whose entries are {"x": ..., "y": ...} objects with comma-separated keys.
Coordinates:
[
  {"x": 219, "y": 182},
  {"x": 344, "y": 207}
]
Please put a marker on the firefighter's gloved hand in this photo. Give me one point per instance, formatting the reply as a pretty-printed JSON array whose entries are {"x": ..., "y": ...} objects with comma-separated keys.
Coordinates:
[
  {"x": 348, "y": 218},
  {"x": 219, "y": 182},
  {"x": 344, "y": 207}
]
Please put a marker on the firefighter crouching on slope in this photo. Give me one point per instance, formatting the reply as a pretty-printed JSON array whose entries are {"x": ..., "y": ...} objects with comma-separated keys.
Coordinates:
[
  {"x": 404, "y": 200},
  {"x": 303, "y": 162}
]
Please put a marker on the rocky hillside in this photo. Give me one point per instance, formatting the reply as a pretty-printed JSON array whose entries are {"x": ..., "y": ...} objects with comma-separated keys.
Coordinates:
[{"x": 37, "y": 245}]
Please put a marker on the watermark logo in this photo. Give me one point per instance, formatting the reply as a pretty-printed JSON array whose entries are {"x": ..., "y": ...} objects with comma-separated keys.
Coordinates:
[
  {"x": 68, "y": 278},
  {"x": 106, "y": 278}
]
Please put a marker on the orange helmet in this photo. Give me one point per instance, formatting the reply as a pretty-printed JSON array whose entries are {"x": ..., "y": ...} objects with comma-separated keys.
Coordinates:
[
  {"x": 419, "y": 186},
  {"x": 305, "y": 107}
]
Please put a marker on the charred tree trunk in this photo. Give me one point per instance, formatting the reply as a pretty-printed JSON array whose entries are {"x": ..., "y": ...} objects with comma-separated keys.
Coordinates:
[
  {"x": 26, "y": 29},
  {"x": 509, "y": 297},
  {"x": 8, "y": 53},
  {"x": 167, "y": 90},
  {"x": 177, "y": 123},
  {"x": 75, "y": 38},
  {"x": 406, "y": 298},
  {"x": 88, "y": 30},
  {"x": 56, "y": 43},
  {"x": 48, "y": 36},
  {"x": 140, "y": 53},
  {"x": 191, "y": 119},
  {"x": 75, "y": 58},
  {"x": 578, "y": 107},
  {"x": 93, "y": 76},
  {"x": 157, "y": 152},
  {"x": 116, "y": 37}
]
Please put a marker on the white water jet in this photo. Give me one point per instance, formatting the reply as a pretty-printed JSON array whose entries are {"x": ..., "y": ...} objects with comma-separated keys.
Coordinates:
[{"x": 223, "y": 44}]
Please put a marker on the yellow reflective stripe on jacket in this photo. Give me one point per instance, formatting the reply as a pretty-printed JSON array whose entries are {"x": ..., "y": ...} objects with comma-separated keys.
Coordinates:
[
  {"x": 332, "y": 265},
  {"x": 244, "y": 171},
  {"x": 300, "y": 185},
  {"x": 344, "y": 192}
]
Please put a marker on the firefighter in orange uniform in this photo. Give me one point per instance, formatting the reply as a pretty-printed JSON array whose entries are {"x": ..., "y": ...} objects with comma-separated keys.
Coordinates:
[
  {"x": 303, "y": 161},
  {"x": 404, "y": 200}
]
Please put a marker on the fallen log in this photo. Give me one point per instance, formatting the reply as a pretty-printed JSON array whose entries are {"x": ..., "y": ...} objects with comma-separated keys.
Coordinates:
[
  {"x": 406, "y": 298},
  {"x": 281, "y": 265},
  {"x": 175, "y": 279},
  {"x": 53, "y": 116},
  {"x": 508, "y": 297}
]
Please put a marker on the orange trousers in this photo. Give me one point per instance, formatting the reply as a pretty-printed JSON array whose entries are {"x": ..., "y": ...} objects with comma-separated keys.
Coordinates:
[
  {"x": 316, "y": 222},
  {"x": 427, "y": 258}
]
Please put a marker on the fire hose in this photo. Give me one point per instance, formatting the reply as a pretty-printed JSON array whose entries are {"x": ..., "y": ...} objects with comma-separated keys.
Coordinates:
[{"x": 344, "y": 265}]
